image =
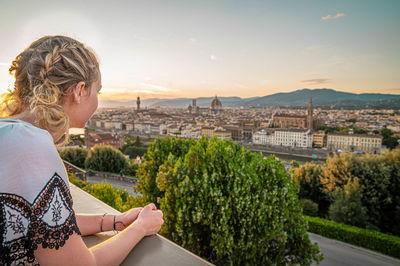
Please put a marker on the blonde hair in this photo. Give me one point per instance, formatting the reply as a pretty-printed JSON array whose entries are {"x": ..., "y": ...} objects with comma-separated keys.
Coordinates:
[{"x": 44, "y": 73}]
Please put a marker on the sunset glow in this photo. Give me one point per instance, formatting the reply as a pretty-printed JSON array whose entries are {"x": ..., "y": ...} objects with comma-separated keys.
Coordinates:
[{"x": 230, "y": 48}]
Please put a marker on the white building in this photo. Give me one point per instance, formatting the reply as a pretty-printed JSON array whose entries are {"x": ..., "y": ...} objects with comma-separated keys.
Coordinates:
[
  {"x": 109, "y": 124},
  {"x": 262, "y": 137},
  {"x": 129, "y": 127},
  {"x": 295, "y": 137},
  {"x": 155, "y": 129},
  {"x": 355, "y": 142},
  {"x": 163, "y": 129},
  {"x": 191, "y": 133},
  {"x": 118, "y": 125},
  {"x": 142, "y": 128}
]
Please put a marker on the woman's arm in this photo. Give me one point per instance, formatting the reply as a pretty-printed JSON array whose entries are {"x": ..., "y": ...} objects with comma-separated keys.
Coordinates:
[
  {"x": 110, "y": 252},
  {"x": 90, "y": 224}
]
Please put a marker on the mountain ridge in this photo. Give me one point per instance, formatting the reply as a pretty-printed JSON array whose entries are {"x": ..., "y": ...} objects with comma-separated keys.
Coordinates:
[{"x": 298, "y": 98}]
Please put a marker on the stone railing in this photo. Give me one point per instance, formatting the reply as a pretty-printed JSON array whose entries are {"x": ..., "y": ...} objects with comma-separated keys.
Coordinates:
[
  {"x": 151, "y": 250},
  {"x": 82, "y": 174}
]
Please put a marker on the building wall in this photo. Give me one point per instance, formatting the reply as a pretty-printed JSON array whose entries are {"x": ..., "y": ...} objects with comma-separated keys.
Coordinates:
[
  {"x": 288, "y": 122},
  {"x": 319, "y": 138},
  {"x": 223, "y": 134},
  {"x": 293, "y": 138},
  {"x": 261, "y": 138},
  {"x": 352, "y": 142},
  {"x": 208, "y": 132}
]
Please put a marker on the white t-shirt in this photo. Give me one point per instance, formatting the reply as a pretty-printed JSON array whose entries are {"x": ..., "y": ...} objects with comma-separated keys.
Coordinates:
[{"x": 35, "y": 200}]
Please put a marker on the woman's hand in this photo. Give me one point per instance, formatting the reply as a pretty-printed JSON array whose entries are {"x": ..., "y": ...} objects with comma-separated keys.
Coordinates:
[
  {"x": 150, "y": 219},
  {"x": 123, "y": 220}
]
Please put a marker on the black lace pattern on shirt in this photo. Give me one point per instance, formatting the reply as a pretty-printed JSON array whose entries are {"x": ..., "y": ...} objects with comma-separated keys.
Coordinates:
[{"x": 48, "y": 222}]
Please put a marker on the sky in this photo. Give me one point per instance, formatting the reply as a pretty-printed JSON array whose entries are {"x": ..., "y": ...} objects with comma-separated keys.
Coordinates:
[{"x": 170, "y": 49}]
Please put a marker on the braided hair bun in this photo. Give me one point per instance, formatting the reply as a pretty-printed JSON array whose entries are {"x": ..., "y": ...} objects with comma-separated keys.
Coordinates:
[{"x": 44, "y": 73}]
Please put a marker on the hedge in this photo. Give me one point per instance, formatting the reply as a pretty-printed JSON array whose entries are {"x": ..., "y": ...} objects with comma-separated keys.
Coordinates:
[{"x": 386, "y": 244}]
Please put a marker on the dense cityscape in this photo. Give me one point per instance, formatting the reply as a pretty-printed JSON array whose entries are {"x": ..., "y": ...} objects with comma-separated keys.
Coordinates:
[{"x": 356, "y": 131}]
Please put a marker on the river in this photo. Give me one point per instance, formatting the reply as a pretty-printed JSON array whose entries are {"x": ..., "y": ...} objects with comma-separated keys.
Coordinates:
[{"x": 300, "y": 159}]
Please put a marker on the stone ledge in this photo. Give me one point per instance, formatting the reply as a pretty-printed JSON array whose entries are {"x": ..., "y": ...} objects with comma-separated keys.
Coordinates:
[{"x": 151, "y": 250}]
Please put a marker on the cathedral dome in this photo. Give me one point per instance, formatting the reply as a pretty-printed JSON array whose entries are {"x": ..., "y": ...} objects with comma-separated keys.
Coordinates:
[{"x": 216, "y": 104}]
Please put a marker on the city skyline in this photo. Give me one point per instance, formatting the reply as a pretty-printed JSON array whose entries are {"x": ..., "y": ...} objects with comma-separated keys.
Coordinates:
[{"x": 193, "y": 49}]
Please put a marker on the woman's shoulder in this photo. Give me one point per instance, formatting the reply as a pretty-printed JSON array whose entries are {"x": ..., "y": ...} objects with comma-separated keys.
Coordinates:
[
  {"x": 19, "y": 134},
  {"x": 28, "y": 159}
]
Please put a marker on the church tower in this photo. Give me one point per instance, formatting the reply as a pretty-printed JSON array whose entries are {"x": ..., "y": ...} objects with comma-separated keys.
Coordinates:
[
  {"x": 310, "y": 115},
  {"x": 138, "y": 103}
]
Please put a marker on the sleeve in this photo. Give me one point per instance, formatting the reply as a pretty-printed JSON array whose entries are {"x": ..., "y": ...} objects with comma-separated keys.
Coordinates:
[
  {"x": 36, "y": 203},
  {"x": 52, "y": 219},
  {"x": 48, "y": 222}
]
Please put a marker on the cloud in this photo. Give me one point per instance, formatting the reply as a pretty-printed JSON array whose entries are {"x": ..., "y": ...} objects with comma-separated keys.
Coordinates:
[
  {"x": 141, "y": 38},
  {"x": 213, "y": 57},
  {"x": 315, "y": 81},
  {"x": 240, "y": 85},
  {"x": 5, "y": 64},
  {"x": 338, "y": 15},
  {"x": 156, "y": 87},
  {"x": 193, "y": 40}
]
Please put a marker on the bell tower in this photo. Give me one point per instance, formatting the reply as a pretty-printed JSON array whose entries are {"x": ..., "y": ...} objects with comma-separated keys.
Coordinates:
[
  {"x": 310, "y": 115},
  {"x": 138, "y": 103}
]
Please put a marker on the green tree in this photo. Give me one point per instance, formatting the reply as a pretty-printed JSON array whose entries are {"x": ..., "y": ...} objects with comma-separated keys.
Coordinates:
[
  {"x": 76, "y": 156},
  {"x": 155, "y": 156},
  {"x": 78, "y": 139},
  {"x": 105, "y": 158},
  {"x": 137, "y": 142},
  {"x": 389, "y": 139},
  {"x": 336, "y": 171},
  {"x": 226, "y": 203},
  {"x": 134, "y": 151},
  {"x": 131, "y": 168},
  {"x": 310, "y": 208},
  {"x": 347, "y": 207},
  {"x": 308, "y": 177},
  {"x": 379, "y": 185}
]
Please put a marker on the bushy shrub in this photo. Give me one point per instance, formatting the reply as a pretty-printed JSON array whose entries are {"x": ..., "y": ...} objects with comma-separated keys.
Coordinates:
[
  {"x": 131, "y": 168},
  {"x": 108, "y": 194},
  {"x": 105, "y": 158},
  {"x": 225, "y": 203},
  {"x": 309, "y": 207},
  {"x": 379, "y": 182},
  {"x": 115, "y": 197},
  {"x": 347, "y": 207},
  {"x": 386, "y": 244},
  {"x": 157, "y": 153},
  {"x": 134, "y": 151},
  {"x": 308, "y": 176},
  {"x": 76, "y": 156}
]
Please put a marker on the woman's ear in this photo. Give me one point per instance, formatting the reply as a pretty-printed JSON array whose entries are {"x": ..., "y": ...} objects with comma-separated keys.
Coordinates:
[{"x": 78, "y": 91}]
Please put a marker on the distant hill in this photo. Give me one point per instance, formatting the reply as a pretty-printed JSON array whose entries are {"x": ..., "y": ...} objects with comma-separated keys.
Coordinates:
[{"x": 320, "y": 97}]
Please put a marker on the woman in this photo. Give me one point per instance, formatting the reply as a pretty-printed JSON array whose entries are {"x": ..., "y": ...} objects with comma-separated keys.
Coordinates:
[{"x": 57, "y": 81}]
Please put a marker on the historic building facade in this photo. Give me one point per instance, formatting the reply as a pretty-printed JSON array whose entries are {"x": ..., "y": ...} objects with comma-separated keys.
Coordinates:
[
  {"x": 292, "y": 137},
  {"x": 295, "y": 121},
  {"x": 355, "y": 142}
]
